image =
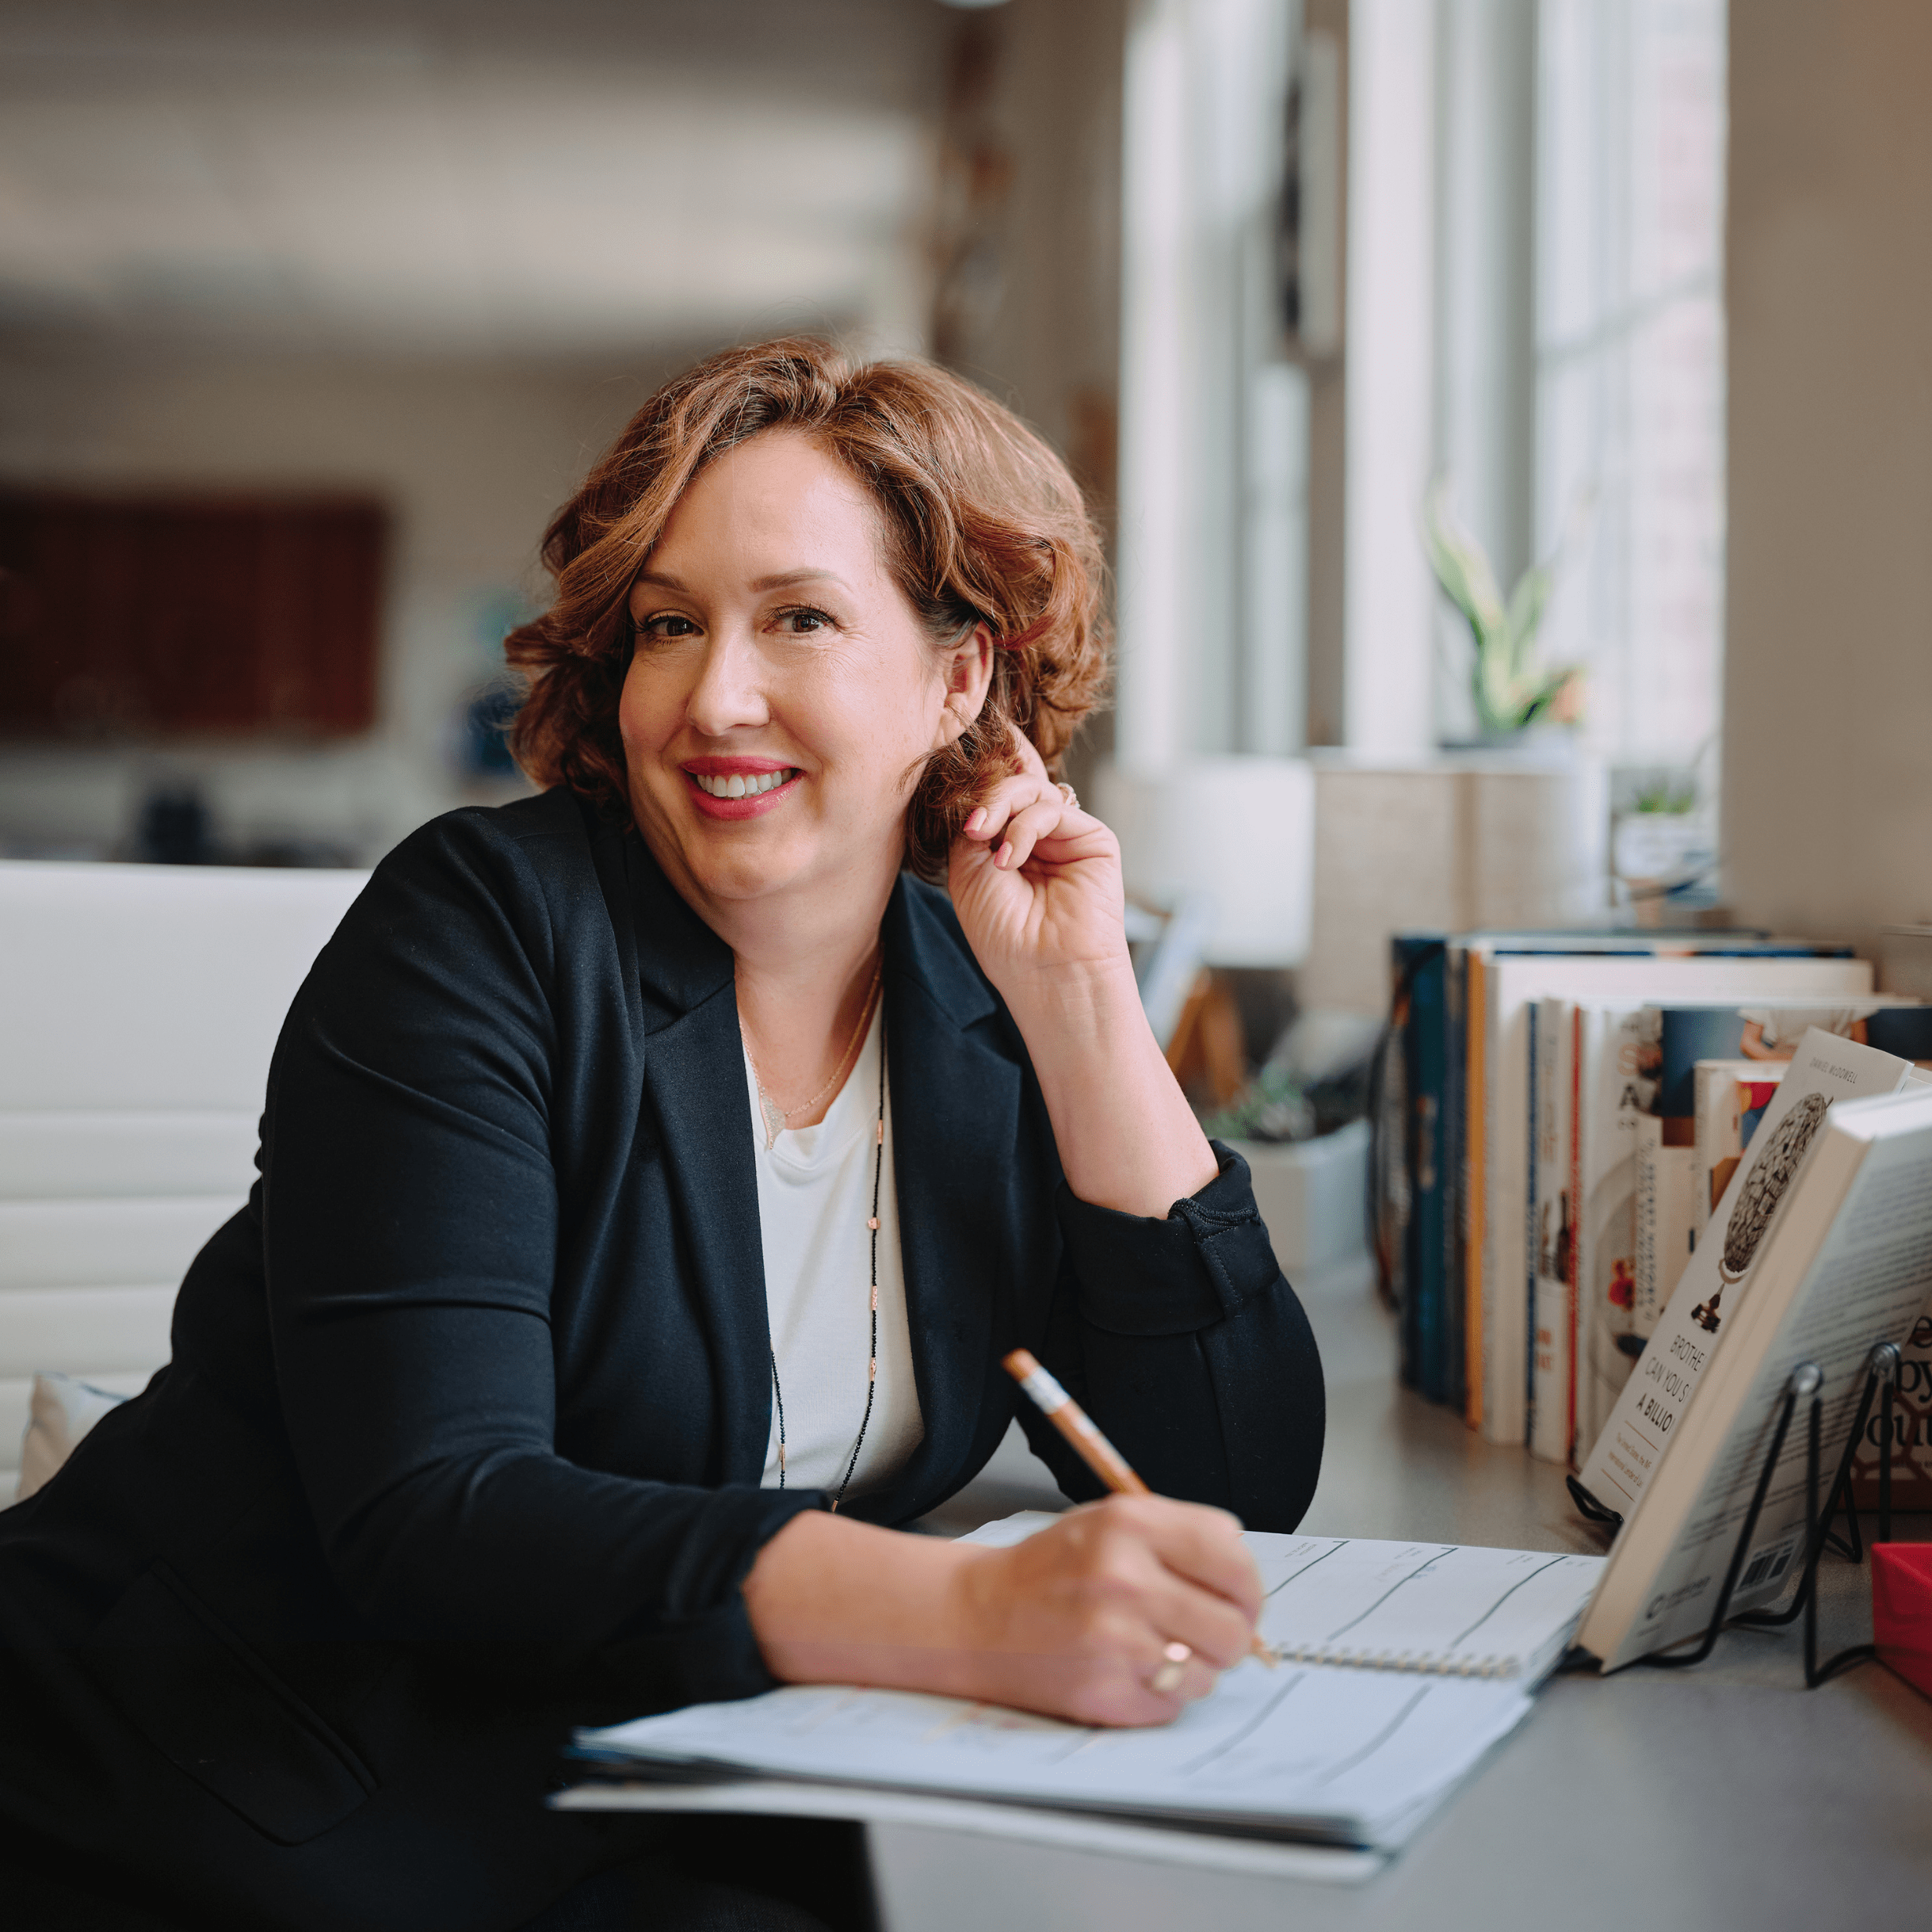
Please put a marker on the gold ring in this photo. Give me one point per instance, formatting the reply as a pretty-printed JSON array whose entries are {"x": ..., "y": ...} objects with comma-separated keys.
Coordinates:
[{"x": 1166, "y": 1680}]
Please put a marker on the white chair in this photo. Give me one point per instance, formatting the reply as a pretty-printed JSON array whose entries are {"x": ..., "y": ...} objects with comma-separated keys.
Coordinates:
[{"x": 139, "y": 1006}]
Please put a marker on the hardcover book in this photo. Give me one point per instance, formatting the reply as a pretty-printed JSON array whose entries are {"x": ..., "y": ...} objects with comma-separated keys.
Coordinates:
[
  {"x": 1551, "y": 1235},
  {"x": 1827, "y": 1072},
  {"x": 1729, "y": 1097},
  {"x": 1822, "y": 1246},
  {"x": 1911, "y": 1431},
  {"x": 1667, "y": 1228},
  {"x": 1683, "y": 1038},
  {"x": 1607, "y": 1103}
]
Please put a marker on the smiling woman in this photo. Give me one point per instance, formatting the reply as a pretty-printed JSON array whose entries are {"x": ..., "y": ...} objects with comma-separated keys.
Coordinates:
[
  {"x": 973, "y": 520},
  {"x": 655, "y": 1173}
]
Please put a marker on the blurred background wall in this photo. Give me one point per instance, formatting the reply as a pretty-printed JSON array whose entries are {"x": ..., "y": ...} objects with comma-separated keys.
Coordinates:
[
  {"x": 1632, "y": 281},
  {"x": 1828, "y": 686},
  {"x": 429, "y": 253}
]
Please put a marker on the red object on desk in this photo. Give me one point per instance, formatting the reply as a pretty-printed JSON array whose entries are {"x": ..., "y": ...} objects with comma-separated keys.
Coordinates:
[{"x": 1902, "y": 1610}]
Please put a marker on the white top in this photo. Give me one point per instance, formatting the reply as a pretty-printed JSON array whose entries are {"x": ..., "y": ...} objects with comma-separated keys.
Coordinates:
[{"x": 814, "y": 1198}]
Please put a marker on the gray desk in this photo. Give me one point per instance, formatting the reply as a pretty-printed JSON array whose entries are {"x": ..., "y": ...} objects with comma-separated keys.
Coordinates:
[{"x": 1725, "y": 1796}]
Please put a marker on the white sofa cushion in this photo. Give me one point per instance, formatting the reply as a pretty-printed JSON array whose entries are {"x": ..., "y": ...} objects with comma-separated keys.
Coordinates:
[
  {"x": 139, "y": 1008},
  {"x": 63, "y": 1409}
]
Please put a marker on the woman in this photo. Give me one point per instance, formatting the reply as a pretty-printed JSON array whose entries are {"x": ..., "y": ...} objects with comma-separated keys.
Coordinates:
[{"x": 653, "y": 1175}]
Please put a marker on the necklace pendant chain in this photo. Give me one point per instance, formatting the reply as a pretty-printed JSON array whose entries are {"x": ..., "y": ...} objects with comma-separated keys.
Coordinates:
[
  {"x": 769, "y": 1107},
  {"x": 775, "y": 1117}
]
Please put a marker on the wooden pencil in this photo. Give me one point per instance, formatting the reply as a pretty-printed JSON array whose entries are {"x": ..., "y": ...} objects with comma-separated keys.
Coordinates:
[{"x": 1087, "y": 1442}]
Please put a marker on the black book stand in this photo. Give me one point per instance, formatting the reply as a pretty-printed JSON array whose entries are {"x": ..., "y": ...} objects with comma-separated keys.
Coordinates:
[{"x": 1807, "y": 1378}]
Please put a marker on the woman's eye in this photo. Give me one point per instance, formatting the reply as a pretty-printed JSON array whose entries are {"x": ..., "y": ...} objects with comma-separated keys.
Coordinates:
[
  {"x": 665, "y": 626},
  {"x": 803, "y": 621}
]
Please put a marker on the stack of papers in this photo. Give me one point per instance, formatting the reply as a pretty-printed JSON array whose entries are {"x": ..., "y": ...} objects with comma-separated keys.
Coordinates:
[{"x": 1324, "y": 1751}]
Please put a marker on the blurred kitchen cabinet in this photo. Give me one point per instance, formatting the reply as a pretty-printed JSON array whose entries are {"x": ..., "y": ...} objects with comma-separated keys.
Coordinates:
[{"x": 126, "y": 616}]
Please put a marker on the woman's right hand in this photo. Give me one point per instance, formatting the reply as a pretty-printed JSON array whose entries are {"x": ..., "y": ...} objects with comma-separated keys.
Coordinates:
[{"x": 1076, "y": 1620}]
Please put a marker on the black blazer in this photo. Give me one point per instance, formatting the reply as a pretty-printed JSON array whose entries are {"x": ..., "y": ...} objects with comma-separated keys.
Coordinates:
[{"x": 462, "y": 1439}]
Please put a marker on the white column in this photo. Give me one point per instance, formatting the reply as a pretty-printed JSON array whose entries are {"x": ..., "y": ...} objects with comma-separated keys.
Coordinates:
[
  {"x": 1205, "y": 95},
  {"x": 1275, "y": 564},
  {"x": 1485, "y": 380},
  {"x": 1389, "y": 625},
  {"x": 1153, "y": 724}
]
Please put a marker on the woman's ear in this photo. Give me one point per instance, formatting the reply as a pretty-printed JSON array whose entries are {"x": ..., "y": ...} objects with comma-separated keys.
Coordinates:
[{"x": 967, "y": 668}]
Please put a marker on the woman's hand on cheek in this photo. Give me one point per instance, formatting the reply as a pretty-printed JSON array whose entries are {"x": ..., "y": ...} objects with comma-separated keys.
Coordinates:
[{"x": 1035, "y": 882}]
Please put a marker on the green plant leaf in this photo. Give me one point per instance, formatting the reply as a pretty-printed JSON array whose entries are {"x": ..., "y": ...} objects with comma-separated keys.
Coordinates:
[
  {"x": 1461, "y": 568},
  {"x": 1527, "y": 603}
]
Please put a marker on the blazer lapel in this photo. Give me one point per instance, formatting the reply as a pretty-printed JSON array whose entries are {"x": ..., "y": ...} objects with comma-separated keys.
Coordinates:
[{"x": 694, "y": 1083}]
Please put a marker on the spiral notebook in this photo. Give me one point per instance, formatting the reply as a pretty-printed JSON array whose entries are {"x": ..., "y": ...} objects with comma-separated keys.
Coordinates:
[
  {"x": 1446, "y": 1609},
  {"x": 1407, "y": 1664}
]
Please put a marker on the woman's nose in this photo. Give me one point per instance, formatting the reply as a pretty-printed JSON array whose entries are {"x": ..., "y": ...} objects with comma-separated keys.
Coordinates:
[{"x": 729, "y": 694}]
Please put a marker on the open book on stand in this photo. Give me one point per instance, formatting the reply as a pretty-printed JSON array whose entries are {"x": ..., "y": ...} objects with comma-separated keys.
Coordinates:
[{"x": 1820, "y": 1247}]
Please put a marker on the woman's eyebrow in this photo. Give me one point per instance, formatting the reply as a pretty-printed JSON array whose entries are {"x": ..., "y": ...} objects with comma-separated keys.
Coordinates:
[
  {"x": 783, "y": 580},
  {"x": 779, "y": 580}
]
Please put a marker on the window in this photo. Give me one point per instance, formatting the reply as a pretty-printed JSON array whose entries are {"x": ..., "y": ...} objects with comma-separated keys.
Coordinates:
[{"x": 1629, "y": 362}]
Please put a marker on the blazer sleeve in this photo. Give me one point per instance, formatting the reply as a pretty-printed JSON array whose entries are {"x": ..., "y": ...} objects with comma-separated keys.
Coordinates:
[
  {"x": 1183, "y": 1340},
  {"x": 410, "y": 1225}
]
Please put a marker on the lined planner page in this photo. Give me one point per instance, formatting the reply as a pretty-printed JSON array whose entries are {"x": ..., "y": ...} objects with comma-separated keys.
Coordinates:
[
  {"x": 1451, "y": 1609},
  {"x": 1442, "y": 1607}
]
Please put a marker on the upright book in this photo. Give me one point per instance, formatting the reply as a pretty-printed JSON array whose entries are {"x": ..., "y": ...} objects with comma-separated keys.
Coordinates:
[
  {"x": 1728, "y": 1097},
  {"x": 1671, "y": 1170},
  {"x": 1550, "y": 1232},
  {"x": 1418, "y": 1074},
  {"x": 1607, "y": 1102},
  {"x": 1822, "y": 1248},
  {"x": 1619, "y": 1053},
  {"x": 1501, "y": 987},
  {"x": 1911, "y": 1483}
]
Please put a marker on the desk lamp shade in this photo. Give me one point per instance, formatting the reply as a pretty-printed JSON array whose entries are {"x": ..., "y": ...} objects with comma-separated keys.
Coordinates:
[{"x": 1237, "y": 832}]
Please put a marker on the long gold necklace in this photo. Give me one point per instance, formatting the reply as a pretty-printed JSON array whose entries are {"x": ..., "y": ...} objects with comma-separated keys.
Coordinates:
[
  {"x": 872, "y": 1357},
  {"x": 776, "y": 1118}
]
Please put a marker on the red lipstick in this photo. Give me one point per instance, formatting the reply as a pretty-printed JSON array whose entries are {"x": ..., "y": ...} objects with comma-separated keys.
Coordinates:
[{"x": 753, "y": 806}]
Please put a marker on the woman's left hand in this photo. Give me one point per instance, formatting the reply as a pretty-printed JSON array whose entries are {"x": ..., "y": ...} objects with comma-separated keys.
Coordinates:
[{"x": 1035, "y": 882}]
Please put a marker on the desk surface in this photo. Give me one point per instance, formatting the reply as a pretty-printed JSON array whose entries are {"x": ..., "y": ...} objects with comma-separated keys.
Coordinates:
[{"x": 1725, "y": 1796}]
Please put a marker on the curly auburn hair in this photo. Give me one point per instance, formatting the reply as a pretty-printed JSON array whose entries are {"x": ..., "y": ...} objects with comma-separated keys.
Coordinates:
[{"x": 982, "y": 523}]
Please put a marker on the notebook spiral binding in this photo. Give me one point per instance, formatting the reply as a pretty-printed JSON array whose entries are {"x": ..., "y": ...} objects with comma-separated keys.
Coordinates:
[{"x": 1425, "y": 1664}]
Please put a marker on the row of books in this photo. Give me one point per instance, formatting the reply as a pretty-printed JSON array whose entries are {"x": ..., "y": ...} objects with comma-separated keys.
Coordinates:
[{"x": 1540, "y": 1108}]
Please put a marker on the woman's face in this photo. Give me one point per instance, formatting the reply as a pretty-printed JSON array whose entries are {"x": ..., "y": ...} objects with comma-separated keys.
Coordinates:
[{"x": 782, "y": 692}]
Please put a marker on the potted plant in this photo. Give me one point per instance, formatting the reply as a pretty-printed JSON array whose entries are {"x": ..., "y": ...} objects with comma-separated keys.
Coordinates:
[
  {"x": 1662, "y": 846},
  {"x": 1514, "y": 689}
]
